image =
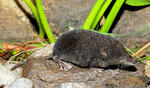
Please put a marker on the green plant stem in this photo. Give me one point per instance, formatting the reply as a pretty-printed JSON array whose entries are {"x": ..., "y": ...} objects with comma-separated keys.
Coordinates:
[
  {"x": 44, "y": 21},
  {"x": 101, "y": 12},
  {"x": 139, "y": 58},
  {"x": 112, "y": 15},
  {"x": 91, "y": 17},
  {"x": 35, "y": 13}
]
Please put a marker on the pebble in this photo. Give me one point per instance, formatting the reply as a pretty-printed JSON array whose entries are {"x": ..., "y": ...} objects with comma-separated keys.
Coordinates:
[
  {"x": 21, "y": 83},
  {"x": 17, "y": 71},
  {"x": 6, "y": 75},
  {"x": 74, "y": 85}
]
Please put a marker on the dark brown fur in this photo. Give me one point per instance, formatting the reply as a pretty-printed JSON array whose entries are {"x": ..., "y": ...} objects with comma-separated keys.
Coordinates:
[{"x": 87, "y": 48}]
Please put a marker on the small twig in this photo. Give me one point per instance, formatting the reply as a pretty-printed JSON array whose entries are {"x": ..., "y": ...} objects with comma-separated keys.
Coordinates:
[
  {"x": 23, "y": 52},
  {"x": 145, "y": 46},
  {"x": 11, "y": 58},
  {"x": 17, "y": 65},
  {"x": 33, "y": 41}
]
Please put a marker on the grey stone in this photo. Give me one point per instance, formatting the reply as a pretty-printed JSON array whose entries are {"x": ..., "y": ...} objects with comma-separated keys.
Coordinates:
[
  {"x": 21, "y": 83},
  {"x": 74, "y": 85},
  {"x": 6, "y": 76},
  {"x": 45, "y": 51},
  {"x": 17, "y": 71}
]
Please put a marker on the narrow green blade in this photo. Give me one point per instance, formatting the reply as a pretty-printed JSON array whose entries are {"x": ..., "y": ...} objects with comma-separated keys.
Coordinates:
[
  {"x": 137, "y": 2},
  {"x": 91, "y": 17},
  {"x": 111, "y": 16}
]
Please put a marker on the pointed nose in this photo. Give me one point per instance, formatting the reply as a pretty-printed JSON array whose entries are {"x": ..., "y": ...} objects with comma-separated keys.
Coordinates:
[
  {"x": 133, "y": 60},
  {"x": 128, "y": 61}
]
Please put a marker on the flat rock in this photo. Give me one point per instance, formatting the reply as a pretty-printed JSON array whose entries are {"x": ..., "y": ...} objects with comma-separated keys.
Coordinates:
[
  {"x": 47, "y": 74},
  {"x": 132, "y": 21},
  {"x": 14, "y": 24}
]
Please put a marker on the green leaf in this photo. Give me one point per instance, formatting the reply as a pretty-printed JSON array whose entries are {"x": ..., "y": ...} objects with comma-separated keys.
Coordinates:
[
  {"x": 38, "y": 45},
  {"x": 147, "y": 58},
  {"x": 139, "y": 58},
  {"x": 112, "y": 15},
  {"x": 14, "y": 52},
  {"x": 1, "y": 51},
  {"x": 92, "y": 15},
  {"x": 101, "y": 12},
  {"x": 137, "y": 2}
]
